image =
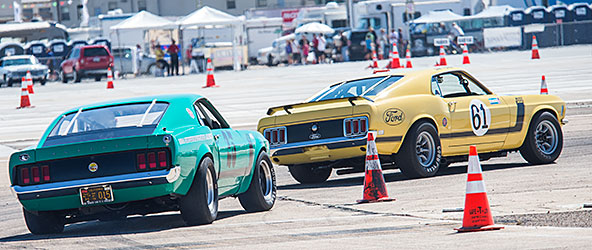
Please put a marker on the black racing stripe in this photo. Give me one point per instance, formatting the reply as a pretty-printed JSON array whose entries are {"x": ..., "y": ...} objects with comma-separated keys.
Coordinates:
[
  {"x": 347, "y": 144},
  {"x": 389, "y": 139},
  {"x": 516, "y": 128},
  {"x": 519, "y": 118},
  {"x": 74, "y": 190},
  {"x": 337, "y": 145}
]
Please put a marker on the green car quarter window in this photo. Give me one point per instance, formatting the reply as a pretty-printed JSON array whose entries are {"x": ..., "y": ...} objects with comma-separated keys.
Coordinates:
[
  {"x": 107, "y": 122},
  {"x": 361, "y": 87}
]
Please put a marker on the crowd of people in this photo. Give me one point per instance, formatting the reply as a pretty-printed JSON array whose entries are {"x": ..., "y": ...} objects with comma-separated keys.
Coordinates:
[
  {"x": 304, "y": 51},
  {"x": 171, "y": 68},
  {"x": 382, "y": 43}
]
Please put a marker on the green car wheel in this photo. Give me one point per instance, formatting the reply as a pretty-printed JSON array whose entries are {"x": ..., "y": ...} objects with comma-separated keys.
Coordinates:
[
  {"x": 261, "y": 194},
  {"x": 200, "y": 205}
]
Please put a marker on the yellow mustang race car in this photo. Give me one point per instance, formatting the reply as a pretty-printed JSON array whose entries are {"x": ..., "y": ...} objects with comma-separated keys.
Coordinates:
[{"x": 424, "y": 120}]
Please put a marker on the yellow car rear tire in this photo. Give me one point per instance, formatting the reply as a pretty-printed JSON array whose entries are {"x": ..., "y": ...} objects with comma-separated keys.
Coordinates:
[
  {"x": 421, "y": 152},
  {"x": 310, "y": 174}
]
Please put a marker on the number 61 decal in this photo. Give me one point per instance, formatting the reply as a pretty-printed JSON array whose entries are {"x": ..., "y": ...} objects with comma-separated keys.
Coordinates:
[{"x": 480, "y": 117}]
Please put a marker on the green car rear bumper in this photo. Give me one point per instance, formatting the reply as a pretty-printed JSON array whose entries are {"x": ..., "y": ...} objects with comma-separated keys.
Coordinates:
[{"x": 126, "y": 188}]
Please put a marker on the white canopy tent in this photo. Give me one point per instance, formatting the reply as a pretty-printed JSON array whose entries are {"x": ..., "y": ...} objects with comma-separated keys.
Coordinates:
[
  {"x": 315, "y": 27},
  {"x": 207, "y": 17},
  {"x": 142, "y": 21}
]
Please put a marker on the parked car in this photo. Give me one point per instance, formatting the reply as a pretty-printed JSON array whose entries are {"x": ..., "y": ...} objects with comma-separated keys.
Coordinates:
[
  {"x": 275, "y": 54},
  {"x": 424, "y": 120},
  {"x": 14, "y": 68},
  {"x": 138, "y": 156},
  {"x": 124, "y": 61},
  {"x": 90, "y": 61}
]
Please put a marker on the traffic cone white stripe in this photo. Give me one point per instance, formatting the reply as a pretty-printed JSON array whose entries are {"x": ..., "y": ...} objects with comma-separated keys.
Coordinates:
[
  {"x": 474, "y": 165},
  {"x": 475, "y": 187}
]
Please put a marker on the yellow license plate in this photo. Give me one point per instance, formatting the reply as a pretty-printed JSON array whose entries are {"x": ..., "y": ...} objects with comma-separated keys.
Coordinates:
[{"x": 96, "y": 195}]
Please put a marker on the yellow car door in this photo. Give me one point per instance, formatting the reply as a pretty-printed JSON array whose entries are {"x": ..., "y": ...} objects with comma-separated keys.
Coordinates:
[{"x": 477, "y": 116}]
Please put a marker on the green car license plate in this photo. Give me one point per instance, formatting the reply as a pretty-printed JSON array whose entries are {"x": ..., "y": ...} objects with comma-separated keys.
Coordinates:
[{"x": 96, "y": 195}]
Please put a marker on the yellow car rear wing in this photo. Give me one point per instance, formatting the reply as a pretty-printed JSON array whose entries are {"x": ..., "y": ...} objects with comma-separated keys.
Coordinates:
[{"x": 287, "y": 108}]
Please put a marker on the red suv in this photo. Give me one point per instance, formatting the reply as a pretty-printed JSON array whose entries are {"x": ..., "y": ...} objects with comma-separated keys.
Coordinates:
[{"x": 86, "y": 62}]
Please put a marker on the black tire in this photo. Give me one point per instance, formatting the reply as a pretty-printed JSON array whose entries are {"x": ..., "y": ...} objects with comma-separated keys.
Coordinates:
[
  {"x": 44, "y": 222},
  {"x": 77, "y": 77},
  {"x": 534, "y": 153},
  {"x": 407, "y": 159},
  {"x": 261, "y": 194},
  {"x": 43, "y": 80},
  {"x": 63, "y": 76},
  {"x": 310, "y": 174},
  {"x": 9, "y": 82},
  {"x": 97, "y": 78},
  {"x": 150, "y": 70},
  {"x": 194, "y": 205}
]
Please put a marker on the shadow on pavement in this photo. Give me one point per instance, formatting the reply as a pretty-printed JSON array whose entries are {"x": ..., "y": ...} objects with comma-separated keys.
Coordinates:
[
  {"x": 131, "y": 225},
  {"x": 398, "y": 176}
]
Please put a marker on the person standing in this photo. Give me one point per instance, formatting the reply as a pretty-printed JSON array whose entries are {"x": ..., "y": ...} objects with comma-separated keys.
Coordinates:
[
  {"x": 369, "y": 43},
  {"x": 315, "y": 45},
  {"x": 322, "y": 45},
  {"x": 139, "y": 56},
  {"x": 344, "y": 47},
  {"x": 401, "y": 43},
  {"x": 455, "y": 32},
  {"x": 173, "y": 52},
  {"x": 295, "y": 52},
  {"x": 383, "y": 45},
  {"x": 305, "y": 47},
  {"x": 161, "y": 64},
  {"x": 289, "y": 52}
]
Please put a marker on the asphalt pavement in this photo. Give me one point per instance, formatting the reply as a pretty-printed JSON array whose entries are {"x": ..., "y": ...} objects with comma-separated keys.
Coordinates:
[{"x": 541, "y": 206}]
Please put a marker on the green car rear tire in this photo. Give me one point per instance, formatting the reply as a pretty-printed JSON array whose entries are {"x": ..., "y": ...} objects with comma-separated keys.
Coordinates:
[{"x": 43, "y": 222}]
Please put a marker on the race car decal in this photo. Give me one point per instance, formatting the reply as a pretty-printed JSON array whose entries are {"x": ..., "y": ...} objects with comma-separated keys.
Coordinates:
[
  {"x": 480, "y": 117},
  {"x": 516, "y": 128},
  {"x": 195, "y": 138},
  {"x": 251, "y": 148},
  {"x": 230, "y": 156},
  {"x": 393, "y": 116},
  {"x": 494, "y": 100}
]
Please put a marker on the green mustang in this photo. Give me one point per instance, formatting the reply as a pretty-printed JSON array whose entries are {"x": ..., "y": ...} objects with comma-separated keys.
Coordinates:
[{"x": 138, "y": 156}]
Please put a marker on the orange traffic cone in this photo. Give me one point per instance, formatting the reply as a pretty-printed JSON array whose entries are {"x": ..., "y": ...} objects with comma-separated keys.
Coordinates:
[
  {"x": 109, "y": 79},
  {"x": 466, "y": 55},
  {"x": 544, "y": 90},
  {"x": 535, "y": 48},
  {"x": 29, "y": 80},
  {"x": 442, "y": 57},
  {"x": 24, "y": 95},
  {"x": 374, "y": 63},
  {"x": 408, "y": 59},
  {"x": 374, "y": 186},
  {"x": 477, "y": 213},
  {"x": 395, "y": 63},
  {"x": 210, "y": 82}
]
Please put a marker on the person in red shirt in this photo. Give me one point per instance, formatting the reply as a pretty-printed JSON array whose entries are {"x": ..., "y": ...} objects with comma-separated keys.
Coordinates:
[{"x": 173, "y": 51}]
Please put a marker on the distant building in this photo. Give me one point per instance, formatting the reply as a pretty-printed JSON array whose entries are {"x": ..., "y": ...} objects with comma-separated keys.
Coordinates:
[{"x": 69, "y": 12}]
